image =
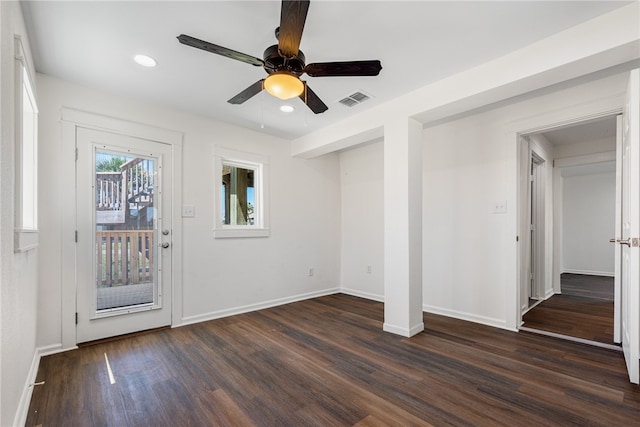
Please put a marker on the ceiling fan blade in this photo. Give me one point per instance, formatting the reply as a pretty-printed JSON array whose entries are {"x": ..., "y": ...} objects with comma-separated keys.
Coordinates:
[
  {"x": 214, "y": 48},
  {"x": 249, "y": 92},
  {"x": 341, "y": 69},
  {"x": 292, "y": 17},
  {"x": 312, "y": 100}
]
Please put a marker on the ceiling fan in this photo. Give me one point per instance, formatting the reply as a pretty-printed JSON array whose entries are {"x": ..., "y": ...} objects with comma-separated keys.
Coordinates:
[{"x": 285, "y": 62}]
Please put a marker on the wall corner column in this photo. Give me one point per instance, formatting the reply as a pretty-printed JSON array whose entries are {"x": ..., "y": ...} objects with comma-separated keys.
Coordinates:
[{"x": 403, "y": 227}]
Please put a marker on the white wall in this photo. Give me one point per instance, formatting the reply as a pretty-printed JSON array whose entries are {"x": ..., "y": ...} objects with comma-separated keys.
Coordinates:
[
  {"x": 588, "y": 222},
  {"x": 18, "y": 272},
  {"x": 361, "y": 175},
  {"x": 220, "y": 276},
  {"x": 465, "y": 244}
]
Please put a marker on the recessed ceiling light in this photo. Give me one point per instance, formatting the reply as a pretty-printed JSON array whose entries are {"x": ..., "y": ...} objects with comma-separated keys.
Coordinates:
[
  {"x": 287, "y": 108},
  {"x": 145, "y": 61}
]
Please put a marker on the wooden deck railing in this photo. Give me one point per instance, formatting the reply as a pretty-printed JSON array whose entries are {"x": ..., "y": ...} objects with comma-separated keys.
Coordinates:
[
  {"x": 116, "y": 192},
  {"x": 124, "y": 257}
]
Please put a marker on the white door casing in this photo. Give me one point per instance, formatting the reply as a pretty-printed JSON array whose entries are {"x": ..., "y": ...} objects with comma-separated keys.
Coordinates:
[
  {"x": 92, "y": 321},
  {"x": 630, "y": 274}
]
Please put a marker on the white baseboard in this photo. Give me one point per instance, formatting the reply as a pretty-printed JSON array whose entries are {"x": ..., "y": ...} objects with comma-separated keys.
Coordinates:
[
  {"x": 25, "y": 398},
  {"x": 489, "y": 321},
  {"x": 189, "y": 320},
  {"x": 361, "y": 294},
  {"x": 497, "y": 323},
  {"x": 590, "y": 272},
  {"x": 405, "y": 332}
]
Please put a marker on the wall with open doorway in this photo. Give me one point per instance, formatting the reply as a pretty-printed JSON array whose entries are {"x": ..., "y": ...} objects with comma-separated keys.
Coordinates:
[{"x": 470, "y": 200}]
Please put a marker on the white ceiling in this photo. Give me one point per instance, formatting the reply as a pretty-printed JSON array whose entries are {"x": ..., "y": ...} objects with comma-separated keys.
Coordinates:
[
  {"x": 594, "y": 130},
  {"x": 92, "y": 43}
]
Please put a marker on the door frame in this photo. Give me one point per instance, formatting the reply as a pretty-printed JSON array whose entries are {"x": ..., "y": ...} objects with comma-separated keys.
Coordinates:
[
  {"x": 534, "y": 220},
  {"x": 534, "y": 124},
  {"x": 538, "y": 212},
  {"x": 553, "y": 245},
  {"x": 71, "y": 119}
]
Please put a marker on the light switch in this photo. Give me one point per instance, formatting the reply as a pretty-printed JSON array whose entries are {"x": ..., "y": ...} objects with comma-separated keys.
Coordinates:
[
  {"x": 188, "y": 211},
  {"x": 500, "y": 207}
]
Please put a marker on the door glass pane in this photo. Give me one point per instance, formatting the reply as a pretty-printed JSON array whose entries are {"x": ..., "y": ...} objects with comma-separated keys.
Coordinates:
[{"x": 125, "y": 230}]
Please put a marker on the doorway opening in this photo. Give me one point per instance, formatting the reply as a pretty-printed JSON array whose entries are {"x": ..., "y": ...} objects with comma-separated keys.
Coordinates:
[{"x": 571, "y": 266}]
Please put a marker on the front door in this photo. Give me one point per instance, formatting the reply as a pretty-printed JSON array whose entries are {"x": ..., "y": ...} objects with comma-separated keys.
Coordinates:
[
  {"x": 123, "y": 192},
  {"x": 630, "y": 274}
]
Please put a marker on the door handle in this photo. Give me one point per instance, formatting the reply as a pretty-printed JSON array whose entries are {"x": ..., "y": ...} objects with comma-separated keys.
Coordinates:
[
  {"x": 632, "y": 242},
  {"x": 164, "y": 245},
  {"x": 624, "y": 242}
]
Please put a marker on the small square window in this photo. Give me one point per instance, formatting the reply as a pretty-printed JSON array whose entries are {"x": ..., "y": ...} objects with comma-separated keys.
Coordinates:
[
  {"x": 238, "y": 200},
  {"x": 241, "y": 208}
]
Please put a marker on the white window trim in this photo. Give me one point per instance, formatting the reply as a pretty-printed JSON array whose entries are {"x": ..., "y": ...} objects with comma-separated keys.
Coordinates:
[
  {"x": 25, "y": 239},
  {"x": 260, "y": 164}
]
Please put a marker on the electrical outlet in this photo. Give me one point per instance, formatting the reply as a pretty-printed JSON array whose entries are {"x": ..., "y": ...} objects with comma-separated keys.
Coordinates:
[
  {"x": 310, "y": 271},
  {"x": 368, "y": 269}
]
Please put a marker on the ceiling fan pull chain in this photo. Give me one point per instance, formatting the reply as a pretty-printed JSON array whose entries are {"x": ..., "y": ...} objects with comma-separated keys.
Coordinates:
[
  {"x": 305, "y": 102},
  {"x": 262, "y": 110}
]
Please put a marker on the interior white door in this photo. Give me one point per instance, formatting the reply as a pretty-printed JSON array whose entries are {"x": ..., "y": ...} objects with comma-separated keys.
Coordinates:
[
  {"x": 630, "y": 274},
  {"x": 123, "y": 254}
]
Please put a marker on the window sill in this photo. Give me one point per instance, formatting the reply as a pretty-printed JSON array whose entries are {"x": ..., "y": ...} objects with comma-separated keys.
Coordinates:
[
  {"x": 25, "y": 240},
  {"x": 232, "y": 233}
]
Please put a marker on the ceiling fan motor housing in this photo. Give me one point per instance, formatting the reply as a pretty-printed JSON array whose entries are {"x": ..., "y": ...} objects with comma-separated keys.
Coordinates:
[{"x": 274, "y": 62}]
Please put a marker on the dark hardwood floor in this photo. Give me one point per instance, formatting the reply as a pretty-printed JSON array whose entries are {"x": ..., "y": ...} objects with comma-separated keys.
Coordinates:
[
  {"x": 584, "y": 309},
  {"x": 583, "y": 285},
  {"x": 327, "y": 362}
]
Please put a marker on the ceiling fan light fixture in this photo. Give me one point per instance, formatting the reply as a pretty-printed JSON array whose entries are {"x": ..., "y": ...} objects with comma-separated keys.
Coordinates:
[{"x": 283, "y": 85}]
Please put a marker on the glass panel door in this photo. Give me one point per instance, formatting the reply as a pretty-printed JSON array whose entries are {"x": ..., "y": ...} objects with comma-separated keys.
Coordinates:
[
  {"x": 125, "y": 231},
  {"x": 123, "y": 261}
]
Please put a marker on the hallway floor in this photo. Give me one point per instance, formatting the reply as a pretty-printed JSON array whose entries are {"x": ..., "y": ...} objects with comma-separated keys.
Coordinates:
[{"x": 584, "y": 309}]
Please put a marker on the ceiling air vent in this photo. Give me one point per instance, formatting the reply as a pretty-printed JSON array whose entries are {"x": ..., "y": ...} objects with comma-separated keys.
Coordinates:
[{"x": 354, "y": 99}]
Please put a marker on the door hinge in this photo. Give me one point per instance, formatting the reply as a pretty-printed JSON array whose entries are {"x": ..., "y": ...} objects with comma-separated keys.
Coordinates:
[
  {"x": 76, "y": 318},
  {"x": 76, "y": 236},
  {"x": 532, "y": 227},
  {"x": 76, "y": 154}
]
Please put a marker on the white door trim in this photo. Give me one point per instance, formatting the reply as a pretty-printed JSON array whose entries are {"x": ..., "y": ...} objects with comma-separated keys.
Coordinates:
[
  {"x": 538, "y": 215},
  {"x": 71, "y": 119},
  {"x": 539, "y": 123}
]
